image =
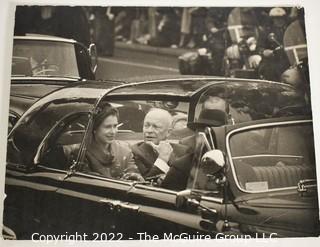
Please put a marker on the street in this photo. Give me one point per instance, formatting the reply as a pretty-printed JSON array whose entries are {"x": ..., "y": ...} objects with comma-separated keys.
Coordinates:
[{"x": 129, "y": 63}]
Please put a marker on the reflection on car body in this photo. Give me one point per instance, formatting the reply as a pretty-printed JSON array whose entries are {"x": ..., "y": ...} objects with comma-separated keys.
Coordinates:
[{"x": 244, "y": 172}]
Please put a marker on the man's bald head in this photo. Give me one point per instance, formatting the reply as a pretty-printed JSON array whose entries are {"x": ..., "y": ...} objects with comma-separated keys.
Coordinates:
[
  {"x": 157, "y": 125},
  {"x": 161, "y": 115}
]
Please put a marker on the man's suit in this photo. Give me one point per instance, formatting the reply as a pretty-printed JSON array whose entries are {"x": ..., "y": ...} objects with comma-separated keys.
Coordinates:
[{"x": 180, "y": 162}]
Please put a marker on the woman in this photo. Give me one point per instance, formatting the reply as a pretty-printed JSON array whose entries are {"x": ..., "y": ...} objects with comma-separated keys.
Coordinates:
[{"x": 105, "y": 155}]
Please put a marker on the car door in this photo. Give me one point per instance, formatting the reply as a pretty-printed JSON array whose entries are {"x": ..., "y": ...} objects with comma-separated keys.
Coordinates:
[
  {"x": 30, "y": 189},
  {"x": 31, "y": 205},
  {"x": 274, "y": 176},
  {"x": 160, "y": 217},
  {"x": 85, "y": 202}
]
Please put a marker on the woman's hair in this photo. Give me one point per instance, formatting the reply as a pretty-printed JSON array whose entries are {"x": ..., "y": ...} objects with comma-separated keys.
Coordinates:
[{"x": 103, "y": 112}]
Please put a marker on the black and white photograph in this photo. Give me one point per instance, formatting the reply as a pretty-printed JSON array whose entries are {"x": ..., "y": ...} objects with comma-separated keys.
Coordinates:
[{"x": 159, "y": 123}]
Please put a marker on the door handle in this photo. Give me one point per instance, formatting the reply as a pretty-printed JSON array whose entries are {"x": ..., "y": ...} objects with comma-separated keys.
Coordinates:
[
  {"x": 119, "y": 206},
  {"x": 130, "y": 207}
]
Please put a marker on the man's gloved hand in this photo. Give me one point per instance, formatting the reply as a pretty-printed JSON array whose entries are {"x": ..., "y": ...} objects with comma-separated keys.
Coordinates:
[
  {"x": 164, "y": 150},
  {"x": 267, "y": 53},
  {"x": 156, "y": 180},
  {"x": 133, "y": 176}
]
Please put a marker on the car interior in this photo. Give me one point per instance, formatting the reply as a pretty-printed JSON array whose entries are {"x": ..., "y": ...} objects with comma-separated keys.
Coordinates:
[
  {"x": 61, "y": 147},
  {"x": 276, "y": 157}
]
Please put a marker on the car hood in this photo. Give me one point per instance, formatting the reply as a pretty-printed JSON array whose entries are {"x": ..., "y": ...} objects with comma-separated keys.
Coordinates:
[{"x": 289, "y": 214}]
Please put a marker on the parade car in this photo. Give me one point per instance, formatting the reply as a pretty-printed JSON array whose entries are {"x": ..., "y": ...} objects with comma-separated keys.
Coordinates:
[
  {"x": 252, "y": 171},
  {"x": 41, "y": 64}
]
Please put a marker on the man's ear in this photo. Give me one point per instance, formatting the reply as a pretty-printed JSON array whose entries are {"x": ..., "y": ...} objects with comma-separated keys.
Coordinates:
[{"x": 169, "y": 132}]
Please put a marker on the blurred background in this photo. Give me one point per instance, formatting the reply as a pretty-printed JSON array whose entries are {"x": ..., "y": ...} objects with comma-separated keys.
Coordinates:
[{"x": 264, "y": 43}]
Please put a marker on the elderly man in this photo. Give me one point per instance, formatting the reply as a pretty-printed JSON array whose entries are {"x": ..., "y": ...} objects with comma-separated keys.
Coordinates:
[{"x": 155, "y": 155}]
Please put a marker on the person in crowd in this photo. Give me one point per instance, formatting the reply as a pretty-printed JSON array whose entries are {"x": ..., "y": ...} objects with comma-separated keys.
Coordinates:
[
  {"x": 295, "y": 77},
  {"x": 50, "y": 20},
  {"x": 234, "y": 114},
  {"x": 275, "y": 61},
  {"x": 214, "y": 42},
  {"x": 198, "y": 26},
  {"x": 105, "y": 155},
  {"x": 185, "y": 30},
  {"x": 167, "y": 29},
  {"x": 215, "y": 111},
  {"x": 252, "y": 55},
  {"x": 139, "y": 28}
]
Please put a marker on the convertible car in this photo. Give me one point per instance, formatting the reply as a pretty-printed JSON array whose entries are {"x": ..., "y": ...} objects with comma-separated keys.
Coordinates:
[
  {"x": 41, "y": 64},
  {"x": 252, "y": 171}
]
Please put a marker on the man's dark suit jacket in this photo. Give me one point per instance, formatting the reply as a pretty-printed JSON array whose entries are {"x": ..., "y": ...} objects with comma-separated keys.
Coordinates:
[{"x": 180, "y": 163}]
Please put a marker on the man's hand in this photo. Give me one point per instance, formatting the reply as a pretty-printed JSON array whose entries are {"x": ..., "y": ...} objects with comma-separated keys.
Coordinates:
[
  {"x": 134, "y": 176},
  {"x": 164, "y": 150},
  {"x": 267, "y": 53}
]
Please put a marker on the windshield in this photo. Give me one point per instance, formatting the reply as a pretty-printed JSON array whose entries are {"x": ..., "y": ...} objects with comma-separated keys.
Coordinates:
[
  {"x": 37, "y": 58},
  {"x": 273, "y": 157},
  {"x": 238, "y": 102}
]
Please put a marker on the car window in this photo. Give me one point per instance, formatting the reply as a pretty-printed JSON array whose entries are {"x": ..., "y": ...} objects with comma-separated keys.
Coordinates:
[
  {"x": 29, "y": 132},
  {"x": 235, "y": 102},
  {"x": 60, "y": 149},
  {"x": 130, "y": 133},
  {"x": 273, "y": 157},
  {"x": 44, "y": 58}
]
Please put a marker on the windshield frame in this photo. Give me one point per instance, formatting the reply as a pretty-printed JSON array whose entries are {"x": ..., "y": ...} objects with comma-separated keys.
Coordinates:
[{"x": 252, "y": 127}]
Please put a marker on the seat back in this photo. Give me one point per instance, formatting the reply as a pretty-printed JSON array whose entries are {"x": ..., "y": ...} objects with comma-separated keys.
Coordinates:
[{"x": 283, "y": 176}]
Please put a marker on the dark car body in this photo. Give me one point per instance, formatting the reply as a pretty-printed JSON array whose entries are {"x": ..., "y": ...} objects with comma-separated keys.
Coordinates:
[
  {"x": 50, "y": 57},
  {"x": 61, "y": 61},
  {"x": 51, "y": 196}
]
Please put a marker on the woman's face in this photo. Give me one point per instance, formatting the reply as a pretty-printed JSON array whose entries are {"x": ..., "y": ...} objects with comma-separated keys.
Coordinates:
[{"x": 107, "y": 130}]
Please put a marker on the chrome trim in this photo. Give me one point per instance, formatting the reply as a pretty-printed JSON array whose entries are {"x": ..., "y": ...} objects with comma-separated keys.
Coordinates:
[
  {"x": 40, "y": 37},
  {"x": 112, "y": 180},
  {"x": 211, "y": 81},
  {"x": 128, "y": 183},
  {"x": 304, "y": 185},
  {"x": 212, "y": 199},
  {"x": 267, "y": 155},
  {"x": 118, "y": 181},
  {"x": 51, "y": 169},
  {"x": 214, "y": 79},
  {"x": 88, "y": 175},
  {"x": 254, "y": 127},
  {"x": 156, "y": 189},
  {"x": 35, "y": 78}
]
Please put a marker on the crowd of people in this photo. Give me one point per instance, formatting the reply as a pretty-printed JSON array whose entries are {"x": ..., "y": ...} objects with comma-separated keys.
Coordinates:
[
  {"x": 227, "y": 39},
  {"x": 230, "y": 38}
]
